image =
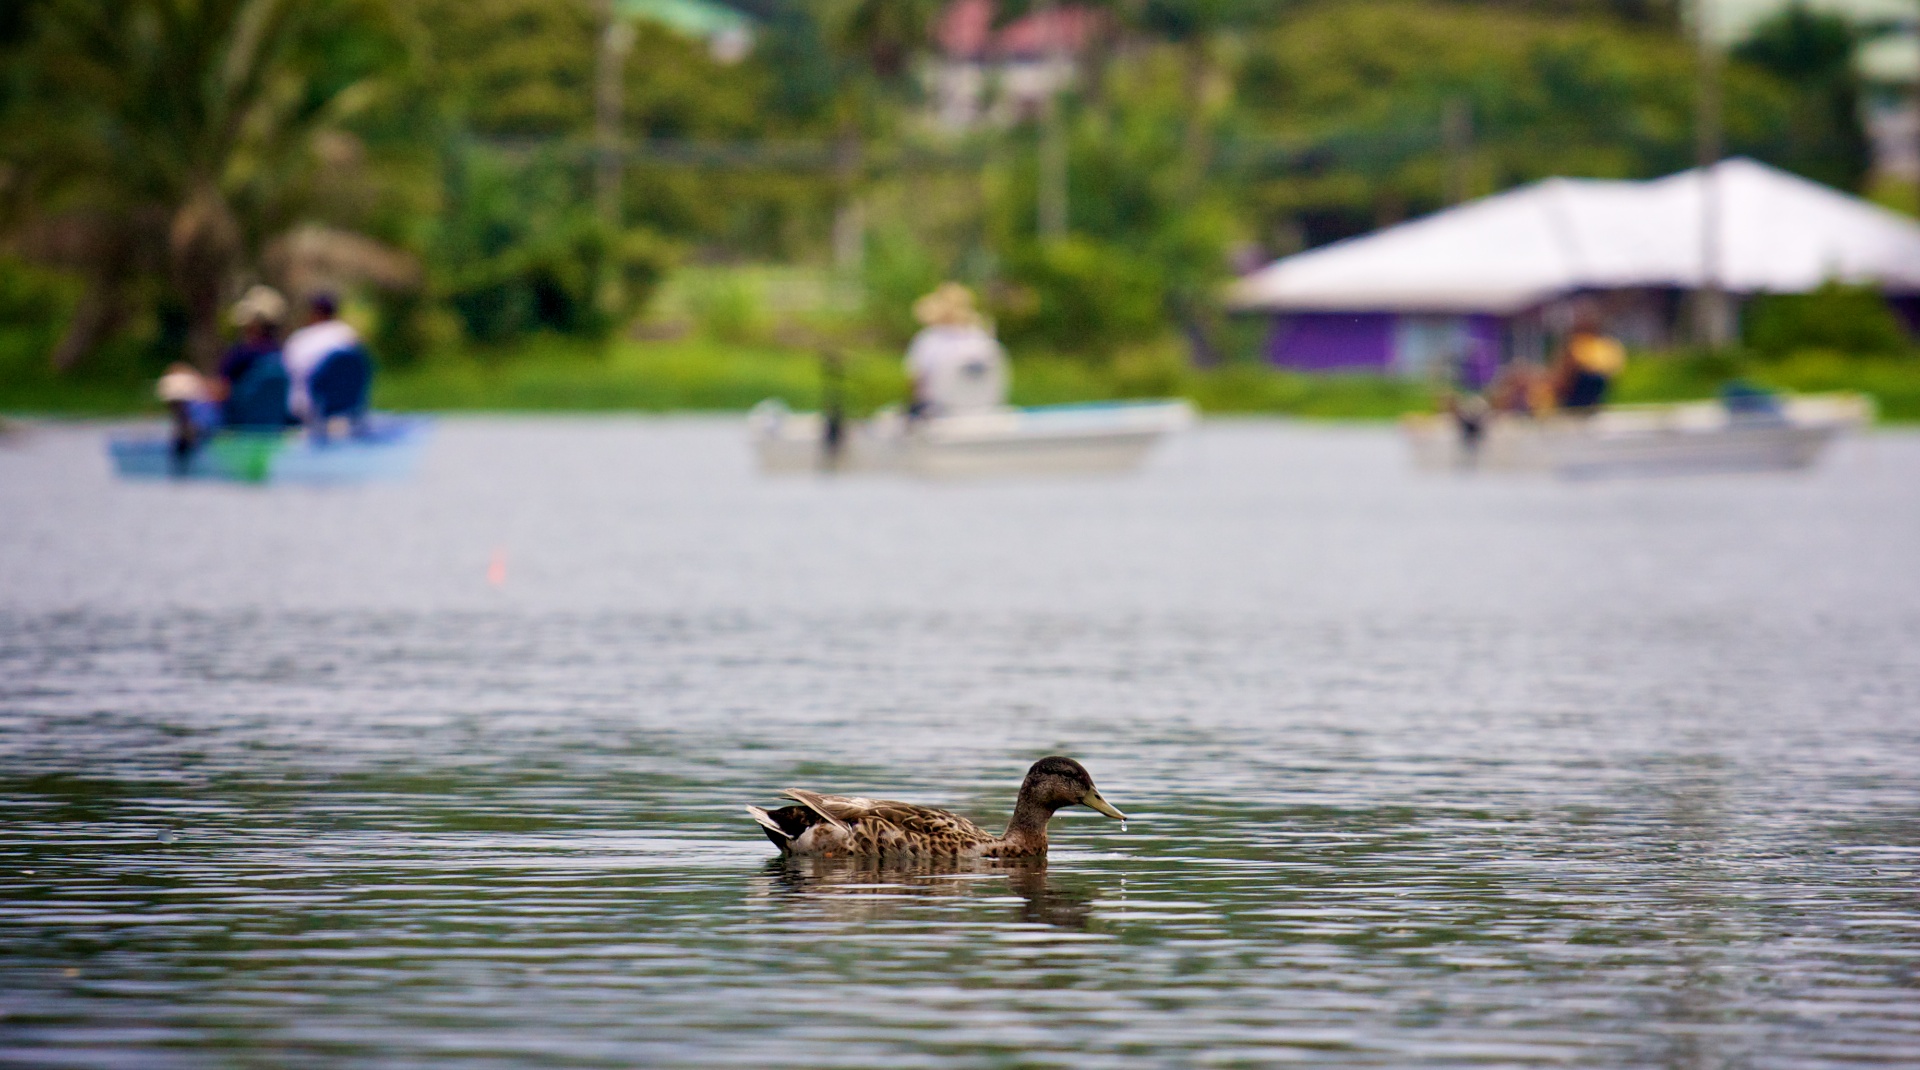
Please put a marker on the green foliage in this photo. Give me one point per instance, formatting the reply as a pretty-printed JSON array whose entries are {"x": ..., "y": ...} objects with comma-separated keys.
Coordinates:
[
  {"x": 1892, "y": 381},
  {"x": 514, "y": 68},
  {"x": 884, "y": 33},
  {"x": 34, "y": 304},
  {"x": 898, "y": 268},
  {"x": 551, "y": 373},
  {"x": 1146, "y": 248},
  {"x": 462, "y": 131},
  {"x": 726, "y": 306},
  {"x": 1812, "y": 52},
  {"x": 1080, "y": 295},
  {"x": 1846, "y": 319},
  {"x": 1360, "y": 88},
  {"x": 169, "y": 141},
  {"x": 698, "y": 374},
  {"x": 521, "y": 251}
]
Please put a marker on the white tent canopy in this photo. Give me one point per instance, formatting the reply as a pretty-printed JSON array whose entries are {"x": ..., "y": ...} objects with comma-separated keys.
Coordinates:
[{"x": 1773, "y": 232}]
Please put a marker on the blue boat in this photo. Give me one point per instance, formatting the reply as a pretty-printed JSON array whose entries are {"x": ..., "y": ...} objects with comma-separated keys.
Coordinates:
[{"x": 384, "y": 448}]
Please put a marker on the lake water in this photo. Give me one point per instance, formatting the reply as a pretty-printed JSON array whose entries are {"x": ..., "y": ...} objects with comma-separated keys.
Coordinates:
[{"x": 1421, "y": 771}]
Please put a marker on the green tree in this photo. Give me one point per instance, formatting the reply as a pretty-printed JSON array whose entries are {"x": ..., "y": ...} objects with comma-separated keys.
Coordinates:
[
  {"x": 1146, "y": 248},
  {"x": 167, "y": 140},
  {"x": 1812, "y": 52},
  {"x": 1341, "y": 110},
  {"x": 1854, "y": 320}
]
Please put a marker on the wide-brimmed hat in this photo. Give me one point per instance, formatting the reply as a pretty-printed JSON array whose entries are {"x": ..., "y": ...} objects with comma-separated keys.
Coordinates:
[
  {"x": 260, "y": 304},
  {"x": 949, "y": 305},
  {"x": 183, "y": 382}
]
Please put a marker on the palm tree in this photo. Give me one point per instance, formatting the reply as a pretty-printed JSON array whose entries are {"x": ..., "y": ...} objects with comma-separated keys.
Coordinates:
[{"x": 166, "y": 138}]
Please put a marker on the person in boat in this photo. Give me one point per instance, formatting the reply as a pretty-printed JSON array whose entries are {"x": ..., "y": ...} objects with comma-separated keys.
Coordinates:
[
  {"x": 1522, "y": 388},
  {"x": 325, "y": 335},
  {"x": 193, "y": 404},
  {"x": 1471, "y": 413},
  {"x": 258, "y": 315},
  {"x": 1588, "y": 363},
  {"x": 955, "y": 364},
  {"x": 253, "y": 379}
]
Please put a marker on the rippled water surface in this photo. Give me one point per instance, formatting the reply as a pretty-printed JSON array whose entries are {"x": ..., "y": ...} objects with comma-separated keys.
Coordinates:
[{"x": 1421, "y": 771}]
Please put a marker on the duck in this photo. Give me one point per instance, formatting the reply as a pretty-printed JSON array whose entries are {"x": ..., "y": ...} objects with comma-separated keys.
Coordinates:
[{"x": 848, "y": 826}]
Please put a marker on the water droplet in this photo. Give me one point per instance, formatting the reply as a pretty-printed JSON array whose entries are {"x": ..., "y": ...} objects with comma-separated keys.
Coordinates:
[
  {"x": 1123, "y": 826},
  {"x": 167, "y": 836}
]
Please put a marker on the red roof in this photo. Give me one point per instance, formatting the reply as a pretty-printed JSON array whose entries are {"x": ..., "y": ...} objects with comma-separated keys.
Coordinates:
[{"x": 966, "y": 31}]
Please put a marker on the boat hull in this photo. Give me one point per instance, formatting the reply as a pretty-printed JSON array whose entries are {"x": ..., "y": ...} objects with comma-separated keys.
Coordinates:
[
  {"x": 390, "y": 451},
  {"x": 1646, "y": 440},
  {"x": 1058, "y": 440}
]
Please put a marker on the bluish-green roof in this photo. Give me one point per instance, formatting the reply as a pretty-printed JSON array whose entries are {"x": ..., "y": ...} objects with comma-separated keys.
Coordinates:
[{"x": 695, "y": 18}]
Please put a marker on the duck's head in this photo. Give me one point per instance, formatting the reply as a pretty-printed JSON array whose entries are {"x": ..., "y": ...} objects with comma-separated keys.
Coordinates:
[{"x": 1057, "y": 782}]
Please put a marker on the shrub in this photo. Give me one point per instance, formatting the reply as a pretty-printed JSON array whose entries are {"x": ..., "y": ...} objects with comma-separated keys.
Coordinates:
[
  {"x": 1081, "y": 296},
  {"x": 1848, "y": 319},
  {"x": 34, "y": 306},
  {"x": 726, "y": 305},
  {"x": 897, "y": 270}
]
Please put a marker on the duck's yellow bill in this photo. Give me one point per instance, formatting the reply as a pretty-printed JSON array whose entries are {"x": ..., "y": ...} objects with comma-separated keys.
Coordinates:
[{"x": 1093, "y": 800}]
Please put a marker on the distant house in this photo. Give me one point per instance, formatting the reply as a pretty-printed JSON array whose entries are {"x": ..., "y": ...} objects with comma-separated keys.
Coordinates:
[
  {"x": 1494, "y": 279},
  {"x": 728, "y": 33},
  {"x": 983, "y": 74}
]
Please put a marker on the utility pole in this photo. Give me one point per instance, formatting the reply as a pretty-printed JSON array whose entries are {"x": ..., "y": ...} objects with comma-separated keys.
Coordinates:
[
  {"x": 849, "y": 215},
  {"x": 1052, "y": 198},
  {"x": 616, "y": 40},
  {"x": 1456, "y": 139},
  {"x": 1713, "y": 320}
]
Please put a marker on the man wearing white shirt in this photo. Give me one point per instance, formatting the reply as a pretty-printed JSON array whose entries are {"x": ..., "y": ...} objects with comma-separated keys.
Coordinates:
[
  {"x": 304, "y": 349},
  {"x": 955, "y": 364}
]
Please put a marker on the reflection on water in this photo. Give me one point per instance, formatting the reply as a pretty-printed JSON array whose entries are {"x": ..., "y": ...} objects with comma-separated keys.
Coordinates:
[
  {"x": 1419, "y": 772},
  {"x": 849, "y": 889}
]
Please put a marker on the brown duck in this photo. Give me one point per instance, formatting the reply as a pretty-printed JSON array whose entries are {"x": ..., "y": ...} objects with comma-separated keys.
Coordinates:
[{"x": 830, "y": 826}]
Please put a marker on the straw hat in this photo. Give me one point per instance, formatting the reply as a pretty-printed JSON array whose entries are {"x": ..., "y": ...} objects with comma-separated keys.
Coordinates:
[
  {"x": 949, "y": 305},
  {"x": 182, "y": 383},
  {"x": 260, "y": 304}
]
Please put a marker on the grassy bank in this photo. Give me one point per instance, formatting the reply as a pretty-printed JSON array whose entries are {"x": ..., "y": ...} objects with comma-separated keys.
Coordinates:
[
  {"x": 702, "y": 375},
  {"x": 1893, "y": 382},
  {"x": 699, "y": 375}
]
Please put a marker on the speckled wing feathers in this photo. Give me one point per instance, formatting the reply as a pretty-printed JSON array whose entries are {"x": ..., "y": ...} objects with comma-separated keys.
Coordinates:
[{"x": 851, "y": 825}]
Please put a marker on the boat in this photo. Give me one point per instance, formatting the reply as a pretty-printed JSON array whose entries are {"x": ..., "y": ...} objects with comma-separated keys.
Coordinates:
[
  {"x": 1081, "y": 439},
  {"x": 385, "y": 448},
  {"x": 1740, "y": 433}
]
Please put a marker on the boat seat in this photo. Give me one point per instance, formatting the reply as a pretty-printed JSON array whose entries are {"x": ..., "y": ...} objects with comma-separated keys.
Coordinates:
[
  {"x": 339, "y": 387},
  {"x": 259, "y": 399}
]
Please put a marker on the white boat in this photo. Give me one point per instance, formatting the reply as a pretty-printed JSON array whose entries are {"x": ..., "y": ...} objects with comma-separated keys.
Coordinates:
[
  {"x": 1742, "y": 435},
  {"x": 1102, "y": 437}
]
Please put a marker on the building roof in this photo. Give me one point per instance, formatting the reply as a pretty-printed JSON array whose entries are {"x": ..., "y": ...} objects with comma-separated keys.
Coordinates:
[
  {"x": 694, "y": 18},
  {"x": 1774, "y": 232},
  {"x": 966, "y": 31}
]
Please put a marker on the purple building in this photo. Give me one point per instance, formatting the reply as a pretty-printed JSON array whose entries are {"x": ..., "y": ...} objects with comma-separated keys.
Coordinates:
[{"x": 1465, "y": 290}]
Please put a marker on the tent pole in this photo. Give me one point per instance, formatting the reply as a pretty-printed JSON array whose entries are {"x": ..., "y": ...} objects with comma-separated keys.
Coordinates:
[
  {"x": 1712, "y": 323},
  {"x": 1456, "y": 136}
]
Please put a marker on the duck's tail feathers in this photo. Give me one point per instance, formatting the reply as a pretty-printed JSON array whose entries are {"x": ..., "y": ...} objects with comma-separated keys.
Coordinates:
[
  {"x": 817, "y": 802},
  {"x": 767, "y": 822}
]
